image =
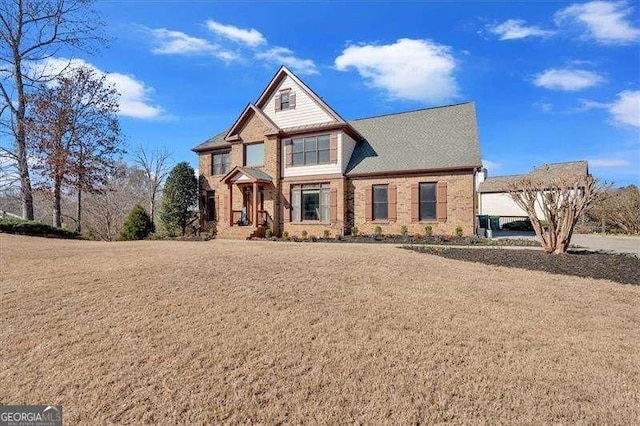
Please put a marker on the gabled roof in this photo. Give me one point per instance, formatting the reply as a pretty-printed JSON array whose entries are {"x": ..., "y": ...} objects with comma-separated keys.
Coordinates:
[
  {"x": 277, "y": 78},
  {"x": 545, "y": 172},
  {"x": 272, "y": 128},
  {"x": 254, "y": 174},
  {"x": 213, "y": 142},
  {"x": 434, "y": 138}
]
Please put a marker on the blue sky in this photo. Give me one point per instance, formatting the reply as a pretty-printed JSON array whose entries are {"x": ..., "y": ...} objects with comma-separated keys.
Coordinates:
[{"x": 552, "y": 81}]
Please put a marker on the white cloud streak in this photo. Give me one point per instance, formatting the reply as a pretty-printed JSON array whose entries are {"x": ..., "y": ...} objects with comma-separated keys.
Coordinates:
[
  {"x": 418, "y": 70},
  {"x": 570, "y": 80},
  {"x": 607, "y": 162},
  {"x": 515, "y": 29},
  {"x": 605, "y": 22},
  {"x": 134, "y": 100},
  {"x": 250, "y": 37},
  {"x": 626, "y": 108},
  {"x": 284, "y": 56}
]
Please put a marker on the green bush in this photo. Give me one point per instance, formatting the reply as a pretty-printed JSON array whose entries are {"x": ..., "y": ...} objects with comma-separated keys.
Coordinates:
[
  {"x": 34, "y": 228},
  {"x": 285, "y": 236},
  {"x": 305, "y": 234},
  {"x": 326, "y": 233},
  {"x": 428, "y": 230},
  {"x": 459, "y": 231},
  {"x": 403, "y": 230},
  {"x": 354, "y": 231},
  {"x": 268, "y": 233},
  {"x": 518, "y": 225},
  {"x": 138, "y": 225},
  {"x": 378, "y": 230}
]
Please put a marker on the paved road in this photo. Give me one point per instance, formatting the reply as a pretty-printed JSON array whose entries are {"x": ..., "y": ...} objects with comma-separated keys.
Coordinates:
[{"x": 622, "y": 244}]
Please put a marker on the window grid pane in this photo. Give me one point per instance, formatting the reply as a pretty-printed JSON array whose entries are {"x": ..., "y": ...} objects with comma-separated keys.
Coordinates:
[
  {"x": 254, "y": 154},
  {"x": 428, "y": 201},
  {"x": 380, "y": 202}
]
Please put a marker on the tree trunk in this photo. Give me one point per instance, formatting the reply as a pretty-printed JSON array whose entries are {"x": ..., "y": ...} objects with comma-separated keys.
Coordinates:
[
  {"x": 152, "y": 208},
  {"x": 79, "y": 216},
  {"x": 57, "y": 210},
  {"x": 21, "y": 141}
]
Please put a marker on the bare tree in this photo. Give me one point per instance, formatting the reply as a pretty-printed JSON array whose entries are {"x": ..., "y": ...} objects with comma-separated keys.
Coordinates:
[
  {"x": 619, "y": 207},
  {"x": 30, "y": 32},
  {"x": 107, "y": 211},
  {"x": 556, "y": 199},
  {"x": 155, "y": 165},
  {"x": 73, "y": 134}
]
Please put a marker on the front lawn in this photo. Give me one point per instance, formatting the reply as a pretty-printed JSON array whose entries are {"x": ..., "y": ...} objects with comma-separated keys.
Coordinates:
[{"x": 255, "y": 332}]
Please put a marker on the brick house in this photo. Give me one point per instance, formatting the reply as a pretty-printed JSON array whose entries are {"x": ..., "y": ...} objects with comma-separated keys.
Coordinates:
[{"x": 291, "y": 163}]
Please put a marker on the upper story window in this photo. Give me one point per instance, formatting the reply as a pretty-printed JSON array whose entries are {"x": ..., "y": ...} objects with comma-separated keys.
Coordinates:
[
  {"x": 380, "y": 203},
  {"x": 220, "y": 163},
  {"x": 285, "y": 99},
  {"x": 254, "y": 154},
  {"x": 310, "y": 150},
  {"x": 428, "y": 201}
]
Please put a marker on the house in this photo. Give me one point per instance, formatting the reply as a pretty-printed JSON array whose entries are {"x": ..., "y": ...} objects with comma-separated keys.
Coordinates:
[
  {"x": 493, "y": 192},
  {"x": 291, "y": 163}
]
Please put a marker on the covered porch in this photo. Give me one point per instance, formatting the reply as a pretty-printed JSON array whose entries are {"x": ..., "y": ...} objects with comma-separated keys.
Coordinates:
[{"x": 250, "y": 183}]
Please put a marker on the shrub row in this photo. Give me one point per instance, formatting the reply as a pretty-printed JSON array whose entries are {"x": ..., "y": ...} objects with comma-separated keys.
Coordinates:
[{"x": 34, "y": 228}]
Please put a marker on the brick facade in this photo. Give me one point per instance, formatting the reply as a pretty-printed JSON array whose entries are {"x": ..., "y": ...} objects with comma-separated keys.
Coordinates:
[{"x": 460, "y": 204}]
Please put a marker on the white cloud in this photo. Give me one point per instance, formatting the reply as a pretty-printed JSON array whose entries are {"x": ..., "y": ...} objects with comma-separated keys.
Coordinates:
[
  {"x": 607, "y": 162},
  {"x": 169, "y": 42},
  {"x": 606, "y": 22},
  {"x": 418, "y": 70},
  {"x": 284, "y": 56},
  {"x": 251, "y": 37},
  {"x": 567, "y": 79},
  {"x": 626, "y": 108},
  {"x": 491, "y": 165},
  {"x": 134, "y": 94},
  {"x": 514, "y": 29}
]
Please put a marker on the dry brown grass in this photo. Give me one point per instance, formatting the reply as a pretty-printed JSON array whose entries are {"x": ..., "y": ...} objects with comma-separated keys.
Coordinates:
[{"x": 227, "y": 332}]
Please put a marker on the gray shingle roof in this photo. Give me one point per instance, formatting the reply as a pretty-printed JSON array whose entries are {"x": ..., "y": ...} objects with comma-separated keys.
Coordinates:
[
  {"x": 256, "y": 173},
  {"x": 216, "y": 141},
  {"x": 434, "y": 138},
  {"x": 544, "y": 172}
]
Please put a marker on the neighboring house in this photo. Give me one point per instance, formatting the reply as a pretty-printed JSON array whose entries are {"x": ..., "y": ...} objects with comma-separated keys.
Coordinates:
[
  {"x": 493, "y": 192},
  {"x": 292, "y": 164}
]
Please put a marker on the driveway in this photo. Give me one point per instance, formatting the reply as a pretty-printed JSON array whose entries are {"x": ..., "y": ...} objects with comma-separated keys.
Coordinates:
[{"x": 611, "y": 243}]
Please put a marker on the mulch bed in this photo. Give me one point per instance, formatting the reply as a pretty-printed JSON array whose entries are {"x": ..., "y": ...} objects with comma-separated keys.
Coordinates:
[
  {"x": 621, "y": 268},
  {"x": 402, "y": 239}
]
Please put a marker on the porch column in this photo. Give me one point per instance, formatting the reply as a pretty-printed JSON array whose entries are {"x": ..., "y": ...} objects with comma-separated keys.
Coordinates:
[
  {"x": 255, "y": 204},
  {"x": 230, "y": 203}
]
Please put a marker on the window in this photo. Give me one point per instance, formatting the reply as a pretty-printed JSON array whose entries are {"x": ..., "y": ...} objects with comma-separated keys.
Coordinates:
[
  {"x": 254, "y": 154},
  {"x": 210, "y": 210},
  {"x": 310, "y": 150},
  {"x": 310, "y": 202},
  {"x": 427, "y": 201},
  {"x": 380, "y": 202},
  {"x": 284, "y": 100},
  {"x": 220, "y": 163}
]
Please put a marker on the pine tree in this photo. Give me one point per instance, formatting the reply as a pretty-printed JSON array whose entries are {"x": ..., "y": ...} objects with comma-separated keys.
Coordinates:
[
  {"x": 180, "y": 196},
  {"x": 138, "y": 225}
]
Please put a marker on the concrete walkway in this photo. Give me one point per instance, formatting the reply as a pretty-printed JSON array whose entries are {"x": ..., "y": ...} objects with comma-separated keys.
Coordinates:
[{"x": 609, "y": 243}]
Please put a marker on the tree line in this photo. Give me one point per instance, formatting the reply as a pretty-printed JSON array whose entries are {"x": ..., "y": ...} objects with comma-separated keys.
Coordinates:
[{"x": 62, "y": 145}]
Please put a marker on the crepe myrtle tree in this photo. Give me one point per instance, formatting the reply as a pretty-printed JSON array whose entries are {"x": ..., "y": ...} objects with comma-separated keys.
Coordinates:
[
  {"x": 554, "y": 202},
  {"x": 179, "y": 198}
]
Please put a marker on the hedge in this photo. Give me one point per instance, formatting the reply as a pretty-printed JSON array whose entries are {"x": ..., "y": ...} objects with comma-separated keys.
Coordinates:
[{"x": 34, "y": 228}]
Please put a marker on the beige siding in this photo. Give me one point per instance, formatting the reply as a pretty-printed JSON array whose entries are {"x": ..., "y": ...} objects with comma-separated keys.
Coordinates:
[{"x": 307, "y": 111}]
